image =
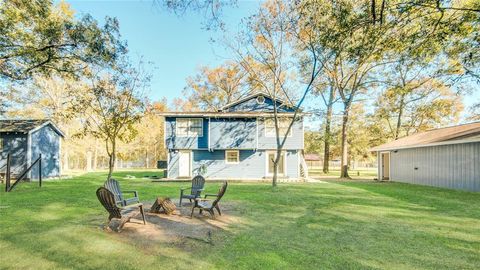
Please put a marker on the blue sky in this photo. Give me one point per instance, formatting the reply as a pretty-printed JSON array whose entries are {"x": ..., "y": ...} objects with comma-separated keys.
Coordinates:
[{"x": 177, "y": 46}]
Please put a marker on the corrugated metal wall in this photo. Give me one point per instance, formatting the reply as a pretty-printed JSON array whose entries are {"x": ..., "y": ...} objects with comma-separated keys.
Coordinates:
[{"x": 455, "y": 166}]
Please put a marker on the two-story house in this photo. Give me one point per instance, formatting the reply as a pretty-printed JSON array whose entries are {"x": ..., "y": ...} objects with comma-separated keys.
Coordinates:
[{"x": 236, "y": 142}]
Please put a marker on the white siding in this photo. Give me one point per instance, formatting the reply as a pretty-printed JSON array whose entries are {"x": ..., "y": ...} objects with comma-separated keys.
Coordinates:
[{"x": 455, "y": 166}]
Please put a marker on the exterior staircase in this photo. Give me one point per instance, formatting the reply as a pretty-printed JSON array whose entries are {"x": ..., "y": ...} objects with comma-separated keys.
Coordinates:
[{"x": 303, "y": 168}]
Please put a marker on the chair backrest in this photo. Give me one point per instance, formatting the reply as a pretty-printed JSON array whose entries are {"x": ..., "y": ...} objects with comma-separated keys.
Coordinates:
[
  {"x": 113, "y": 186},
  {"x": 221, "y": 192},
  {"x": 197, "y": 183},
  {"x": 107, "y": 199}
]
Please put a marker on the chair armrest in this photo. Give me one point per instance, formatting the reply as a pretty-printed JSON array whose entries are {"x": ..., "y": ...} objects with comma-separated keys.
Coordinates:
[
  {"x": 133, "y": 199},
  {"x": 131, "y": 191},
  {"x": 210, "y": 194},
  {"x": 131, "y": 205},
  {"x": 202, "y": 199},
  {"x": 185, "y": 188}
]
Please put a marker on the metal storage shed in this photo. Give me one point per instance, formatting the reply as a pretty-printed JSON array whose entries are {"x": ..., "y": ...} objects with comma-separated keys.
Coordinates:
[{"x": 445, "y": 157}]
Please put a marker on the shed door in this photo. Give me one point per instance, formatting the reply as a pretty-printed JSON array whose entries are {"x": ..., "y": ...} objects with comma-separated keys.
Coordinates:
[
  {"x": 385, "y": 166},
  {"x": 184, "y": 164}
]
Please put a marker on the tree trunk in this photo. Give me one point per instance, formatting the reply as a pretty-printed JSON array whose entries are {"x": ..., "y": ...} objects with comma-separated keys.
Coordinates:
[
  {"x": 400, "y": 115},
  {"x": 344, "y": 160},
  {"x": 275, "y": 172},
  {"x": 89, "y": 161},
  {"x": 155, "y": 156},
  {"x": 111, "y": 160},
  {"x": 326, "y": 150},
  {"x": 146, "y": 159},
  {"x": 95, "y": 156},
  {"x": 276, "y": 161}
]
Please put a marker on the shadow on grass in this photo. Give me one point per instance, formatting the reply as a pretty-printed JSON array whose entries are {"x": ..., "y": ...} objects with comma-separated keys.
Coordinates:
[
  {"x": 334, "y": 225},
  {"x": 342, "y": 227},
  {"x": 442, "y": 200}
]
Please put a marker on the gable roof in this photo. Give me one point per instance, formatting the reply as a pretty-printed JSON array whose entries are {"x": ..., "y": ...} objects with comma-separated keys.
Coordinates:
[
  {"x": 26, "y": 126},
  {"x": 447, "y": 135},
  {"x": 254, "y": 95},
  {"x": 312, "y": 157},
  {"x": 228, "y": 114}
]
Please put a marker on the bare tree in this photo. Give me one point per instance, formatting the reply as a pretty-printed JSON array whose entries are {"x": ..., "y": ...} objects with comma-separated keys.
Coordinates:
[
  {"x": 111, "y": 106},
  {"x": 265, "y": 52},
  {"x": 213, "y": 88},
  {"x": 210, "y": 9}
]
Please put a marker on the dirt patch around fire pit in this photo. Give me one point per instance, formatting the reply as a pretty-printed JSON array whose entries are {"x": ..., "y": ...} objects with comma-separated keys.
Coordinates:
[{"x": 179, "y": 228}]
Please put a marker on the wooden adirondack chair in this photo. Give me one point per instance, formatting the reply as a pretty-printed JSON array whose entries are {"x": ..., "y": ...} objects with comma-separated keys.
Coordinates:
[
  {"x": 208, "y": 204},
  {"x": 114, "y": 187},
  {"x": 195, "y": 190},
  {"x": 107, "y": 199}
]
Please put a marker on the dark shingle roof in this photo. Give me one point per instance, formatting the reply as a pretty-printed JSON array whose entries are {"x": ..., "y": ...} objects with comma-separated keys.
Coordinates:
[{"x": 24, "y": 125}]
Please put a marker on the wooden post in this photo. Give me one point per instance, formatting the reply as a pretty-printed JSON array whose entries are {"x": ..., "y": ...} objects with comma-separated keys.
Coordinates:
[
  {"x": 7, "y": 180},
  {"x": 40, "y": 171}
]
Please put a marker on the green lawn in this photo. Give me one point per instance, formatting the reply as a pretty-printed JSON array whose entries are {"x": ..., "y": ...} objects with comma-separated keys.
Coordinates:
[
  {"x": 338, "y": 224},
  {"x": 363, "y": 173}
]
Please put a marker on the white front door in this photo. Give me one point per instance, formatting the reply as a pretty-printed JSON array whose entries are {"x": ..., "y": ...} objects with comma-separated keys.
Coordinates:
[{"x": 184, "y": 164}]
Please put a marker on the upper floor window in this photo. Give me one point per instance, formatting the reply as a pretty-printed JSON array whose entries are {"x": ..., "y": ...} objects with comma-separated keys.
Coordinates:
[
  {"x": 283, "y": 124},
  {"x": 189, "y": 127}
]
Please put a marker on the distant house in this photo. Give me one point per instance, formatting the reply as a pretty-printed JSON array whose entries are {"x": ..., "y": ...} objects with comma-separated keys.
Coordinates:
[
  {"x": 236, "y": 142},
  {"x": 445, "y": 157},
  {"x": 313, "y": 160},
  {"x": 25, "y": 140}
]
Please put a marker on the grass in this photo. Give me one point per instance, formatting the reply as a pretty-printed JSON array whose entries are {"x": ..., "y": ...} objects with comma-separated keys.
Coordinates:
[
  {"x": 362, "y": 173},
  {"x": 332, "y": 225}
]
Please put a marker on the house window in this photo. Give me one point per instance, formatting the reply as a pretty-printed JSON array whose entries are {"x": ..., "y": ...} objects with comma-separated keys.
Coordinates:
[
  {"x": 283, "y": 124},
  {"x": 232, "y": 157},
  {"x": 189, "y": 127}
]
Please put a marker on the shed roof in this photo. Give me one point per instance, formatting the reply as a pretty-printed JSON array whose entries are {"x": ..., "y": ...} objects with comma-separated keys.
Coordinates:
[
  {"x": 447, "y": 135},
  {"x": 312, "y": 157},
  {"x": 26, "y": 125}
]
